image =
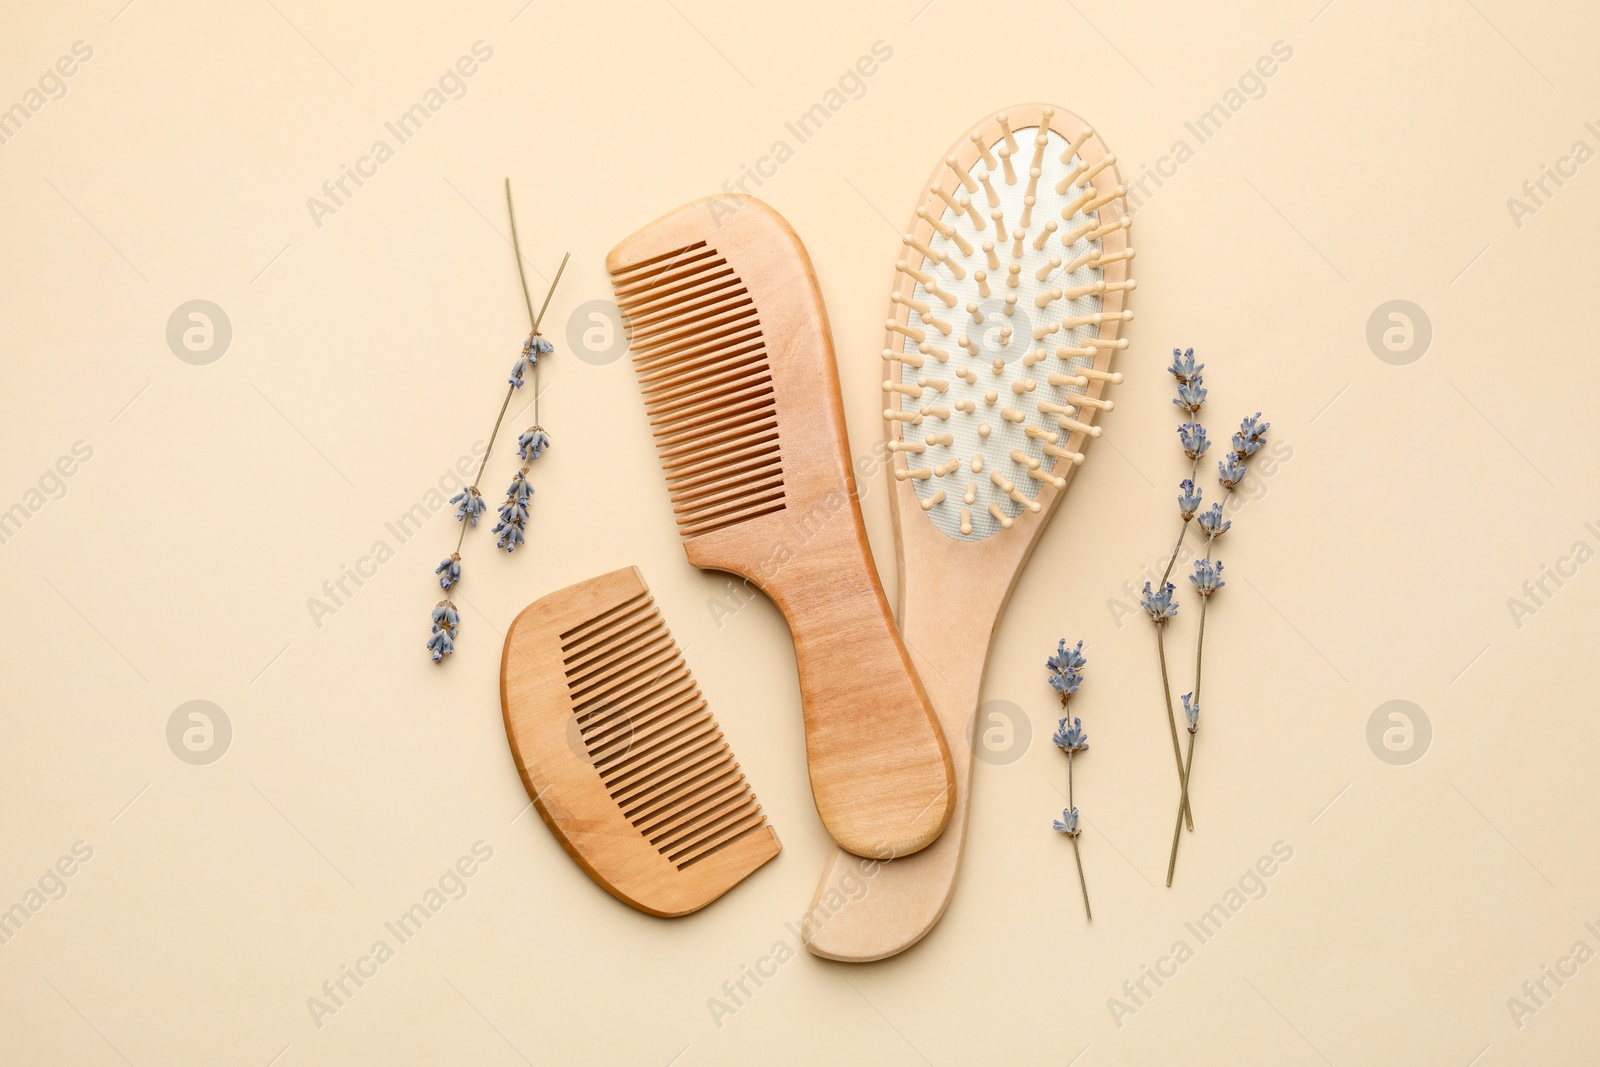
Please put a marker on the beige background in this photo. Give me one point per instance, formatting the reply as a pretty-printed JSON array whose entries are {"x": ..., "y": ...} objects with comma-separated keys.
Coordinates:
[{"x": 365, "y": 359}]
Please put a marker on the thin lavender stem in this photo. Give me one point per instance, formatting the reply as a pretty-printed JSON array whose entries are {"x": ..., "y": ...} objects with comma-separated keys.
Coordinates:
[
  {"x": 1082, "y": 884},
  {"x": 1172, "y": 719},
  {"x": 1177, "y": 546},
  {"x": 1070, "y": 802},
  {"x": 1183, "y": 802}
]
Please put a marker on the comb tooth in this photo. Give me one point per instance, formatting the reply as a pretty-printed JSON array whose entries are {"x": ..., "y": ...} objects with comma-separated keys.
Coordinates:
[
  {"x": 750, "y": 823},
  {"x": 579, "y": 632},
  {"x": 691, "y": 402},
  {"x": 643, "y": 273},
  {"x": 639, "y": 729},
  {"x": 701, "y": 360},
  {"x": 668, "y": 298},
  {"x": 693, "y": 824},
  {"x": 691, "y": 844},
  {"x": 734, "y": 398},
  {"x": 650, "y": 735},
  {"x": 664, "y": 295},
  {"x": 670, "y": 769},
  {"x": 614, "y": 690},
  {"x": 668, "y": 825},
  {"x": 619, "y": 723},
  {"x": 594, "y": 683},
  {"x": 1005, "y": 164},
  {"x": 1114, "y": 377},
  {"x": 680, "y": 780},
  {"x": 724, "y": 344},
  {"x": 669, "y": 732},
  {"x": 584, "y": 664},
  {"x": 1044, "y": 235},
  {"x": 721, "y": 501},
  {"x": 1000, "y": 516}
]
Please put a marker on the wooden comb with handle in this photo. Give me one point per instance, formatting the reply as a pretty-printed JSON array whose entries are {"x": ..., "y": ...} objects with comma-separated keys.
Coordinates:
[
  {"x": 619, "y": 752},
  {"x": 731, "y": 344},
  {"x": 1024, "y": 227}
]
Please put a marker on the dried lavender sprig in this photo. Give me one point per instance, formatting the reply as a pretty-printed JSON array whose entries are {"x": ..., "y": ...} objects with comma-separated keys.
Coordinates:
[
  {"x": 1066, "y": 674},
  {"x": 513, "y": 514},
  {"x": 1207, "y": 580}
]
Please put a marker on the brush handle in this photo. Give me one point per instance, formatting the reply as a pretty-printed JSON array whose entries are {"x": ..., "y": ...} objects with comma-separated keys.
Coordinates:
[
  {"x": 905, "y": 898},
  {"x": 881, "y": 774}
]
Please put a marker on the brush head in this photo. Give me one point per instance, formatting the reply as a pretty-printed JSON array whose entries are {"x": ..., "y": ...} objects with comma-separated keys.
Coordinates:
[
  {"x": 1008, "y": 298},
  {"x": 620, "y": 752}
]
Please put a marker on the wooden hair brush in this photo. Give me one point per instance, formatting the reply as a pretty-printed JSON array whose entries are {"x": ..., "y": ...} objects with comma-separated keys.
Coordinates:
[
  {"x": 620, "y": 753},
  {"x": 1004, "y": 318},
  {"x": 733, "y": 353}
]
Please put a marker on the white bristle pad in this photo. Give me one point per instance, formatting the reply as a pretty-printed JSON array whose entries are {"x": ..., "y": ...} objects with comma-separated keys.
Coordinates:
[{"x": 1004, "y": 436}]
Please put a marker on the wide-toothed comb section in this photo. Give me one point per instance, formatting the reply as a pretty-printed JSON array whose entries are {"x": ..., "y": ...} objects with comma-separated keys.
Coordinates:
[
  {"x": 702, "y": 364},
  {"x": 1001, "y": 325},
  {"x": 650, "y": 736}
]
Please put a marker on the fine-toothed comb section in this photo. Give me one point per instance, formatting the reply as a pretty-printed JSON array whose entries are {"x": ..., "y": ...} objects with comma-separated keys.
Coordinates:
[
  {"x": 620, "y": 753},
  {"x": 702, "y": 365},
  {"x": 1013, "y": 283},
  {"x": 651, "y": 737}
]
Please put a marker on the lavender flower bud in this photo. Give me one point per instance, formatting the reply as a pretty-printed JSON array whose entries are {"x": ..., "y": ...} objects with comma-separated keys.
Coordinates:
[
  {"x": 1207, "y": 576},
  {"x": 1191, "y": 395},
  {"x": 1212, "y": 524},
  {"x": 1193, "y": 437},
  {"x": 1230, "y": 471},
  {"x": 1159, "y": 606},
  {"x": 1188, "y": 500},
  {"x": 1184, "y": 368},
  {"x": 472, "y": 505},
  {"x": 532, "y": 443}
]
